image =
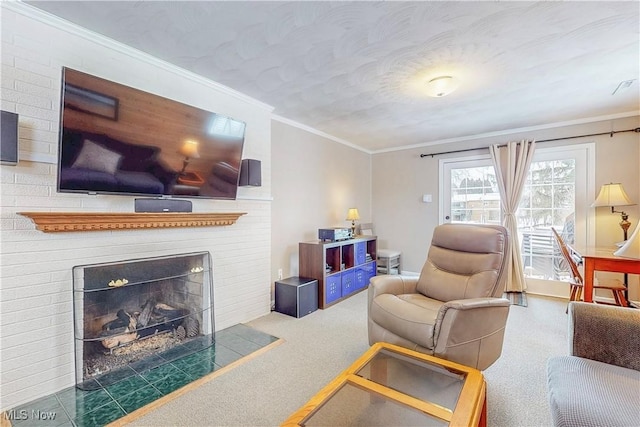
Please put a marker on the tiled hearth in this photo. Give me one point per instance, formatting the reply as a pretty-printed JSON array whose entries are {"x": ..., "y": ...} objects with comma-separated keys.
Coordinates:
[{"x": 148, "y": 380}]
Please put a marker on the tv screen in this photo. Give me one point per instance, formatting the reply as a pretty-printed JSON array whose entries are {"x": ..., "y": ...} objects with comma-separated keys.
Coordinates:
[{"x": 115, "y": 139}]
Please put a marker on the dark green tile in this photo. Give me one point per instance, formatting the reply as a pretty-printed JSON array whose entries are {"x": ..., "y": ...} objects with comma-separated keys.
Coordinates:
[
  {"x": 116, "y": 376},
  {"x": 89, "y": 385},
  {"x": 101, "y": 416},
  {"x": 43, "y": 404},
  {"x": 139, "y": 398},
  {"x": 208, "y": 353},
  {"x": 176, "y": 353},
  {"x": 199, "y": 343},
  {"x": 193, "y": 359},
  {"x": 45, "y": 412},
  {"x": 173, "y": 382},
  {"x": 235, "y": 329},
  {"x": 160, "y": 372},
  {"x": 126, "y": 386},
  {"x": 225, "y": 356},
  {"x": 252, "y": 335},
  {"x": 147, "y": 363},
  {"x": 201, "y": 369},
  {"x": 78, "y": 402},
  {"x": 236, "y": 343},
  {"x": 53, "y": 418}
]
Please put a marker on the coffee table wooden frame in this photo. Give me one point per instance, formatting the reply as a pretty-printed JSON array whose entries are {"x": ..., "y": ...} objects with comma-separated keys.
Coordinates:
[{"x": 471, "y": 409}]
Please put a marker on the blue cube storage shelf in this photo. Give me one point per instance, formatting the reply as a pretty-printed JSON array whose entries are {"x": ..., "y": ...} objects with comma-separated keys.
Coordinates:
[{"x": 342, "y": 268}]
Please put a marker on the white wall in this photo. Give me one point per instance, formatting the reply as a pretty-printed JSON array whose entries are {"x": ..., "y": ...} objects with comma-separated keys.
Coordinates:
[
  {"x": 315, "y": 181},
  {"x": 36, "y": 329}
]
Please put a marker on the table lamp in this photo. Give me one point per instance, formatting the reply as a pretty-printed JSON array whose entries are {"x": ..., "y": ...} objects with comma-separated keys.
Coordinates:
[
  {"x": 352, "y": 216},
  {"x": 612, "y": 195},
  {"x": 189, "y": 150}
]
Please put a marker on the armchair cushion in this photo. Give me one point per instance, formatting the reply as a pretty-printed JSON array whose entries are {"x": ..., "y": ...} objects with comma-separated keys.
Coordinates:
[
  {"x": 464, "y": 261},
  {"x": 411, "y": 316}
]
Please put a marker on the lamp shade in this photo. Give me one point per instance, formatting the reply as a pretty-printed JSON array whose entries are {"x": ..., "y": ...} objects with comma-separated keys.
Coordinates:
[
  {"x": 190, "y": 149},
  {"x": 353, "y": 215},
  {"x": 631, "y": 249},
  {"x": 612, "y": 195}
]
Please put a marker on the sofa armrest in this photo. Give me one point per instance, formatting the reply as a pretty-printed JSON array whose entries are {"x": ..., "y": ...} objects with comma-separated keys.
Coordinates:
[{"x": 605, "y": 333}]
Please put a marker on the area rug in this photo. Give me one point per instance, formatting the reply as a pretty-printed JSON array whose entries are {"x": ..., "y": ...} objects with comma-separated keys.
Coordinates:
[{"x": 516, "y": 298}]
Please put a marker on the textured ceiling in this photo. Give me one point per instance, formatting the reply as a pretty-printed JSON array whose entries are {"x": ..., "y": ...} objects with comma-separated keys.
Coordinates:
[{"x": 356, "y": 70}]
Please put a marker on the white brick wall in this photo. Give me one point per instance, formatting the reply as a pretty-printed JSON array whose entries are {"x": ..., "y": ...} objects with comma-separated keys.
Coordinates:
[{"x": 36, "y": 319}]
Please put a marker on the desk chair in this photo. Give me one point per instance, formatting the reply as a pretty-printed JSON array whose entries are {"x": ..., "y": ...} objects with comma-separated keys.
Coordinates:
[
  {"x": 388, "y": 261},
  {"x": 576, "y": 283}
]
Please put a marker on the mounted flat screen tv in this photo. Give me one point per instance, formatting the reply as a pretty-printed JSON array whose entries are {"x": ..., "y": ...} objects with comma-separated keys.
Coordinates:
[{"x": 115, "y": 139}]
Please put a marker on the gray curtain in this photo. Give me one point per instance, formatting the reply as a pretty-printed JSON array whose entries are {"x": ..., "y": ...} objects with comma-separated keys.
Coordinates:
[{"x": 511, "y": 163}]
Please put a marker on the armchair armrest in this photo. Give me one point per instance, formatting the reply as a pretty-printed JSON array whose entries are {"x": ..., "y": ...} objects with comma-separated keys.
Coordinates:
[
  {"x": 473, "y": 330},
  {"x": 391, "y": 284},
  {"x": 471, "y": 303},
  {"x": 607, "y": 334}
]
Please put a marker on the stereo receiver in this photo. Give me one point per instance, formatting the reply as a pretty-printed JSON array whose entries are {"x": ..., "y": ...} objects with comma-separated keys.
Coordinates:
[{"x": 333, "y": 234}]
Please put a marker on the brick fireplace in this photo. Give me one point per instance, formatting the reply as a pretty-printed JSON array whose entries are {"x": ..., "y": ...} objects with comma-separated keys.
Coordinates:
[{"x": 133, "y": 311}]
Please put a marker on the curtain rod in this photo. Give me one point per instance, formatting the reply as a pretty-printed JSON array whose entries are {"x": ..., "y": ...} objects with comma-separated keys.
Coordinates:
[{"x": 636, "y": 130}]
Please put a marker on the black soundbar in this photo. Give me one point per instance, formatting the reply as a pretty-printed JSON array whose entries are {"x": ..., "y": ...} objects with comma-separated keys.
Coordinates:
[{"x": 162, "y": 205}]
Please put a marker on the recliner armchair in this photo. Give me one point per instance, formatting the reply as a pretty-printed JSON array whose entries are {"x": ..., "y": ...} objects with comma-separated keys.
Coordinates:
[{"x": 454, "y": 309}]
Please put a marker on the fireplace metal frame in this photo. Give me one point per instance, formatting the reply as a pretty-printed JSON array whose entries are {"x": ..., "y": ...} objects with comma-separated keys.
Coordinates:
[{"x": 118, "y": 276}]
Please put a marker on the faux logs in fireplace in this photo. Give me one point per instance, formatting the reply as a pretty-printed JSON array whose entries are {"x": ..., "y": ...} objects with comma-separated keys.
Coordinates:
[{"x": 129, "y": 311}]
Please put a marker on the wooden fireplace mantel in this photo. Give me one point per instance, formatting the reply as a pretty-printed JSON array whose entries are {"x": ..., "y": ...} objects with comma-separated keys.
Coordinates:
[{"x": 53, "y": 222}]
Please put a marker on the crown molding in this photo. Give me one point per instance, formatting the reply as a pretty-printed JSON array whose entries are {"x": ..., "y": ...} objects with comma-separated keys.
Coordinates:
[
  {"x": 318, "y": 132},
  {"x": 512, "y": 131}
]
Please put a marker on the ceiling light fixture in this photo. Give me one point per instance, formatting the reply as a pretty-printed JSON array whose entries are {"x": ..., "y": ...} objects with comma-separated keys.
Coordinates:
[{"x": 442, "y": 86}]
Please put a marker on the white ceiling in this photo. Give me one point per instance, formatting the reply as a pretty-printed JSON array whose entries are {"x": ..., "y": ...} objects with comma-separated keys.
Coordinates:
[{"x": 356, "y": 70}]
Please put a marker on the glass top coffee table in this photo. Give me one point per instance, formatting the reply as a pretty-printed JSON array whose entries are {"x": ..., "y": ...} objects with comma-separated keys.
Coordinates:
[{"x": 393, "y": 386}]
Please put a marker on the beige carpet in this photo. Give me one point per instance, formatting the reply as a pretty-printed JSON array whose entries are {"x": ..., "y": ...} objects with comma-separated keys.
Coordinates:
[{"x": 267, "y": 389}]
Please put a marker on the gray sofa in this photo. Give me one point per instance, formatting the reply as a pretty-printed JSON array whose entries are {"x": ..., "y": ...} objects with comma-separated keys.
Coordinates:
[{"x": 598, "y": 384}]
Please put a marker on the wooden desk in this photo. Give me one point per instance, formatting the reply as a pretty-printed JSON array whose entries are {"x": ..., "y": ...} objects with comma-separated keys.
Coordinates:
[{"x": 603, "y": 259}]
